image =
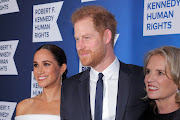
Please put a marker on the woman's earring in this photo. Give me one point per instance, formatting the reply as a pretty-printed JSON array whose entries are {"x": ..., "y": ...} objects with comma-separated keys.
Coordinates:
[{"x": 177, "y": 91}]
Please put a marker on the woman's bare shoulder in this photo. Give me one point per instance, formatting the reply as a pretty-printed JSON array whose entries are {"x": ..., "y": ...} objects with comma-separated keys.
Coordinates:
[{"x": 23, "y": 106}]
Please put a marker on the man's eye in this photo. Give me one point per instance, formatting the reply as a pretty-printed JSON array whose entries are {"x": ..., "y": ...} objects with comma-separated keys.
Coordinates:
[{"x": 86, "y": 38}]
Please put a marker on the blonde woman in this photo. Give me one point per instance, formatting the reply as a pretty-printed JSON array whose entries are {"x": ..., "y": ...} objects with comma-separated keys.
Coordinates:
[{"x": 162, "y": 79}]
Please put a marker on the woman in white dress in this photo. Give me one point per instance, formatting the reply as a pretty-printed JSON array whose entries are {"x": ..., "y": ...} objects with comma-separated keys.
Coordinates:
[{"x": 49, "y": 68}]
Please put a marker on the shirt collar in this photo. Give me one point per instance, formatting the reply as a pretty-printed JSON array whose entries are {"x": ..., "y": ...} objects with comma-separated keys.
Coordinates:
[{"x": 108, "y": 72}]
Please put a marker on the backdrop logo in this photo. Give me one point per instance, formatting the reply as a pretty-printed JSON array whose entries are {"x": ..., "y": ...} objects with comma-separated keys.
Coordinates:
[
  {"x": 161, "y": 17},
  {"x": 116, "y": 38},
  {"x": 6, "y": 110},
  {"x": 82, "y": 68},
  {"x": 8, "y": 6},
  {"x": 87, "y": 0},
  {"x": 35, "y": 89},
  {"x": 45, "y": 28},
  {"x": 7, "y": 50}
]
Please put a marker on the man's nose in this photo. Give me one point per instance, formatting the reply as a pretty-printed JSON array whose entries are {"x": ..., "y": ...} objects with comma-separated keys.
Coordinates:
[{"x": 80, "y": 44}]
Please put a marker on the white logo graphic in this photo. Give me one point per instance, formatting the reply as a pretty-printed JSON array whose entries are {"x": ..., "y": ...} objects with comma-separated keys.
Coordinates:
[
  {"x": 45, "y": 28},
  {"x": 87, "y": 0},
  {"x": 115, "y": 38},
  {"x": 81, "y": 67},
  {"x": 35, "y": 89},
  {"x": 6, "y": 110},
  {"x": 8, "y": 6},
  {"x": 7, "y": 50},
  {"x": 161, "y": 17}
]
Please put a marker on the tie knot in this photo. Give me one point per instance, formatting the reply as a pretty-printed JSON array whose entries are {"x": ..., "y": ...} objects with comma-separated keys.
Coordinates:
[{"x": 100, "y": 75}]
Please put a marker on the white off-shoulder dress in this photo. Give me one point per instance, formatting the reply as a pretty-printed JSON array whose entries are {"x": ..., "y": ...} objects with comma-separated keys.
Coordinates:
[{"x": 37, "y": 117}]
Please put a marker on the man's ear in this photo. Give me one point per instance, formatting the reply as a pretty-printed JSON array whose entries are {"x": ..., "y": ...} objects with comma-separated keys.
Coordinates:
[{"x": 107, "y": 36}]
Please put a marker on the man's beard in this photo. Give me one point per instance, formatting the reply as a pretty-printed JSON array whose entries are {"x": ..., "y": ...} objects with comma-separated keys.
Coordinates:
[{"x": 93, "y": 58}]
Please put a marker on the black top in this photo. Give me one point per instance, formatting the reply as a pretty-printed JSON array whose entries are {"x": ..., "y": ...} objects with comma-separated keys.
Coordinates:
[{"x": 170, "y": 116}]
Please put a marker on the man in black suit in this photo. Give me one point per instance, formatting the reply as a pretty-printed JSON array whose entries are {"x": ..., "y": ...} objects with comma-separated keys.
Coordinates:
[{"x": 122, "y": 85}]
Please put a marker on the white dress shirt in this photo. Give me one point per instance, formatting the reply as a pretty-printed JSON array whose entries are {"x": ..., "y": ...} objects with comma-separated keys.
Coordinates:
[{"x": 110, "y": 81}]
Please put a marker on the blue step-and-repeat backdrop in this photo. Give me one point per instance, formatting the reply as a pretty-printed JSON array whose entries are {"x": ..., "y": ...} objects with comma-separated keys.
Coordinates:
[{"x": 27, "y": 24}]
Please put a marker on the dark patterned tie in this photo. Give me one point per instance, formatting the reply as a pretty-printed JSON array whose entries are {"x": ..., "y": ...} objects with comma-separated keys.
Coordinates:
[{"x": 99, "y": 98}]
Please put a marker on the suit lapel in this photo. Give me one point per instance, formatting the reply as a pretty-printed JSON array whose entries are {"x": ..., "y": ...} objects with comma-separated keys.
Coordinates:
[
  {"x": 84, "y": 95},
  {"x": 124, "y": 84}
]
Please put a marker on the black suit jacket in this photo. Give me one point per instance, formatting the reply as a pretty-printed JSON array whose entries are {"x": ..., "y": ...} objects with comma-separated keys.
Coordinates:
[{"x": 75, "y": 97}]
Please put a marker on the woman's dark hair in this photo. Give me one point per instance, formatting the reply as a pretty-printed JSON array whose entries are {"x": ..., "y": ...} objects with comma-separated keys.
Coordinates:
[{"x": 58, "y": 54}]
